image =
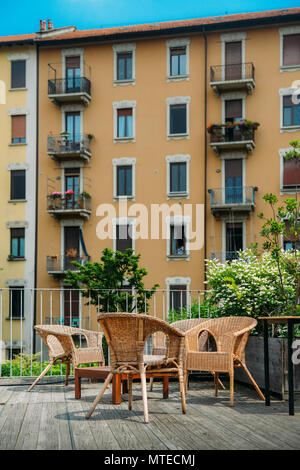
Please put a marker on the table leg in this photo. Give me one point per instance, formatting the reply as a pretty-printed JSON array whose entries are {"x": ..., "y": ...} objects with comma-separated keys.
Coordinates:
[
  {"x": 266, "y": 361},
  {"x": 166, "y": 387},
  {"x": 116, "y": 389},
  {"x": 290, "y": 367},
  {"x": 77, "y": 386}
]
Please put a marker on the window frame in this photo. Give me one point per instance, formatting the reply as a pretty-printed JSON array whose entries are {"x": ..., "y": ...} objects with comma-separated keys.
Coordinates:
[
  {"x": 291, "y": 30},
  {"x": 117, "y": 162},
  {"x": 282, "y": 93},
  {"x": 12, "y": 171},
  {"x": 124, "y": 221},
  {"x": 23, "y": 87},
  {"x": 124, "y": 48},
  {"x": 176, "y": 43},
  {"x": 179, "y": 158},
  {"x": 178, "y": 100},
  {"x": 18, "y": 256},
  {"x": 178, "y": 220},
  {"x": 21, "y": 290},
  {"x": 179, "y": 281},
  {"x": 285, "y": 190},
  {"x": 124, "y": 105}
]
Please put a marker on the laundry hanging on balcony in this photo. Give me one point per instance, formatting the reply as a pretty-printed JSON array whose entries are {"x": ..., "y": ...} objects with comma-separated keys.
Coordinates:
[{"x": 83, "y": 245}]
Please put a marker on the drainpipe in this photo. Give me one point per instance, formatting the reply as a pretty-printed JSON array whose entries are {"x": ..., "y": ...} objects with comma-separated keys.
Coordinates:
[
  {"x": 205, "y": 152},
  {"x": 36, "y": 196}
]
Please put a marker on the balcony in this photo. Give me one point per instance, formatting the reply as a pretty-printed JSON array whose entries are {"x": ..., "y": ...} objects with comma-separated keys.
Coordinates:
[
  {"x": 58, "y": 265},
  {"x": 61, "y": 205},
  {"x": 223, "y": 256},
  {"x": 69, "y": 89},
  {"x": 62, "y": 147},
  {"x": 239, "y": 200},
  {"x": 232, "y": 77},
  {"x": 224, "y": 137}
]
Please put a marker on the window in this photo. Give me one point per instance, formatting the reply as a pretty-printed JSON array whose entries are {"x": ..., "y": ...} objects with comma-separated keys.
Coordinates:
[
  {"x": 18, "y": 129},
  {"x": 18, "y": 74},
  {"x": 124, "y": 123},
  {"x": 234, "y": 240},
  {"x": 178, "y": 61},
  {"x": 290, "y": 241},
  {"x": 124, "y": 66},
  {"x": 71, "y": 246},
  {"x": 16, "y": 302},
  {"x": 177, "y": 297},
  {"x": 291, "y": 111},
  {"x": 17, "y": 184},
  {"x": 123, "y": 237},
  {"x": 17, "y": 242},
  {"x": 178, "y": 240},
  {"x": 178, "y": 51},
  {"x": 124, "y": 180},
  {"x": 291, "y": 174},
  {"x": 291, "y": 49},
  {"x": 178, "y": 177},
  {"x": 11, "y": 353},
  {"x": 73, "y": 72},
  {"x": 178, "y": 119}
]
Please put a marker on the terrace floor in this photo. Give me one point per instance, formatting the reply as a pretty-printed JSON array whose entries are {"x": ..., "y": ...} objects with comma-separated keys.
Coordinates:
[{"x": 49, "y": 418}]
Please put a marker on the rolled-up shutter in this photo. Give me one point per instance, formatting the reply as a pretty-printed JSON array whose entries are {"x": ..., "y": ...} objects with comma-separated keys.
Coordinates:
[
  {"x": 291, "y": 49},
  {"x": 18, "y": 131}
]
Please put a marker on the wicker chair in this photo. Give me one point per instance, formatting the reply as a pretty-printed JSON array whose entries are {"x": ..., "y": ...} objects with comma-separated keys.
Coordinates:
[
  {"x": 158, "y": 339},
  {"x": 231, "y": 336},
  {"x": 61, "y": 348},
  {"x": 126, "y": 335}
]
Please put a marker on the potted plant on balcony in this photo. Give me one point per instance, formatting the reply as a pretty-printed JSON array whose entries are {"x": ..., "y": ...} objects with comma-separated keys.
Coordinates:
[
  {"x": 55, "y": 199},
  {"x": 216, "y": 131}
]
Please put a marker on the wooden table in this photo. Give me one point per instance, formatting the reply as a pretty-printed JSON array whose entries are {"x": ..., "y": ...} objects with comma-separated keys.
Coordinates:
[
  {"x": 291, "y": 321},
  {"x": 118, "y": 380}
]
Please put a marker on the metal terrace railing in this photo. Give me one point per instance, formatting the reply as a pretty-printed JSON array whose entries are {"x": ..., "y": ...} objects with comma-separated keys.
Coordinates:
[{"x": 21, "y": 308}]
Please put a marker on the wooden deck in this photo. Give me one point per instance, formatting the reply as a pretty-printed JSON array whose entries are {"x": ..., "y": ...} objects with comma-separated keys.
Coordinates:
[{"x": 50, "y": 418}]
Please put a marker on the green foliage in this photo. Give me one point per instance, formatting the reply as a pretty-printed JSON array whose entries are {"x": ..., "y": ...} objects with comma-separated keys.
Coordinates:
[
  {"x": 295, "y": 152},
  {"x": 196, "y": 310},
  {"x": 284, "y": 224},
  {"x": 115, "y": 284},
  {"x": 13, "y": 368}
]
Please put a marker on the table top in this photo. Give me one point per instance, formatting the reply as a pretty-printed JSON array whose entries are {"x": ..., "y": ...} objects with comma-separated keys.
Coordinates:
[{"x": 281, "y": 318}]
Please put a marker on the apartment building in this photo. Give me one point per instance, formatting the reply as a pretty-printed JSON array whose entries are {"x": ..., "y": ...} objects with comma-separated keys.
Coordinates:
[
  {"x": 162, "y": 120},
  {"x": 18, "y": 119},
  {"x": 127, "y": 115}
]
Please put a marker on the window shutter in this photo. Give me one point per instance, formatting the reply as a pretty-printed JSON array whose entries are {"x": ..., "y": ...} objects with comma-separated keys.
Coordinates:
[
  {"x": 18, "y": 131},
  {"x": 178, "y": 50},
  {"x": 18, "y": 184},
  {"x": 291, "y": 49},
  {"x": 291, "y": 174},
  {"x": 18, "y": 74},
  {"x": 233, "y": 109},
  {"x": 73, "y": 62},
  {"x": 125, "y": 112},
  {"x": 233, "y": 52}
]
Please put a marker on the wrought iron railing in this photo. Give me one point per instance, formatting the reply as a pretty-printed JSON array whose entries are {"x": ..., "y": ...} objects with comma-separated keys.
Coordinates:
[
  {"x": 223, "y": 73},
  {"x": 232, "y": 195},
  {"x": 229, "y": 133},
  {"x": 59, "y": 202},
  {"x": 64, "y": 143},
  {"x": 64, "y": 263},
  {"x": 62, "y": 86}
]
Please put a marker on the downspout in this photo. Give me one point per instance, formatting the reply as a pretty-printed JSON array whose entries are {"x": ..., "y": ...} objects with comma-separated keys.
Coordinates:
[
  {"x": 36, "y": 196},
  {"x": 205, "y": 153}
]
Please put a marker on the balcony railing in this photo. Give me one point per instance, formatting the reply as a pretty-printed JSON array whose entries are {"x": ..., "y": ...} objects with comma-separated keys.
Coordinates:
[
  {"x": 228, "y": 136},
  {"x": 60, "y": 205},
  {"x": 232, "y": 76},
  {"x": 223, "y": 256},
  {"x": 71, "y": 88},
  {"x": 58, "y": 265},
  {"x": 240, "y": 199},
  {"x": 63, "y": 147}
]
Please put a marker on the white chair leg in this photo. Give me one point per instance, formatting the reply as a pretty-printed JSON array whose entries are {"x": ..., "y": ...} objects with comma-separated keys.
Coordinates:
[
  {"x": 40, "y": 376},
  {"x": 98, "y": 397}
]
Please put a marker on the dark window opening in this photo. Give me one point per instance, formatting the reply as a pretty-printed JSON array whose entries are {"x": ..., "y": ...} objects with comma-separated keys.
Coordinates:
[
  {"x": 234, "y": 240},
  {"x": 178, "y": 123},
  {"x": 18, "y": 74},
  {"x": 123, "y": 237},
  {"x": 16, "y": 302},
  {"x": 17, "y": 242},
  {"x": 178, "y": 240},
  {"x": 17, "y": 184},
  {"x": 178, "y": 177},
  {"x": 124, "y": 180},
  {"x": 177, "y": 297},
  {"x": 124, "y": 66}
]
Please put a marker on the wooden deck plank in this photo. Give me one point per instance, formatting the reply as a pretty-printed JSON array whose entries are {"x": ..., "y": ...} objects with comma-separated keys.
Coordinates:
[{"x": 49, "y": 417}]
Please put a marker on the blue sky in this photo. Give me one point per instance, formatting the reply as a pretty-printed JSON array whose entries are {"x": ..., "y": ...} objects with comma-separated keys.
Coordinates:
[{"x": 22, "y": 16}]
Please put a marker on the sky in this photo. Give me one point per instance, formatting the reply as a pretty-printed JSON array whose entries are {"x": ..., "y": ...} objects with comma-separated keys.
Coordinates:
[{"x": 23, "y": 16}]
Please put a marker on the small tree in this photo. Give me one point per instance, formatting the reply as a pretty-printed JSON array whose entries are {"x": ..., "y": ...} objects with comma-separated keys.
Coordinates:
[
  {"x": 115, "y": 284},
  {"x": 284, "y": 224}
]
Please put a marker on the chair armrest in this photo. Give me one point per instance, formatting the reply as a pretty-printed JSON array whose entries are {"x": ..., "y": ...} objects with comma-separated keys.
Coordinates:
[
  {"x": 93, "y": 338},
  {"x": 192, "y": 336}
]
